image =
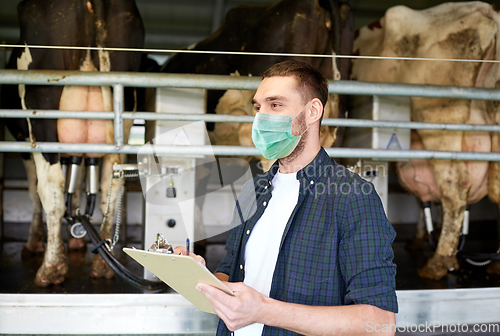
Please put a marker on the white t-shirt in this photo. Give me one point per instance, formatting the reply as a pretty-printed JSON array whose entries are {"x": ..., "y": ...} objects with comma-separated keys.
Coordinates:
[{"x": 261, "y": 251}]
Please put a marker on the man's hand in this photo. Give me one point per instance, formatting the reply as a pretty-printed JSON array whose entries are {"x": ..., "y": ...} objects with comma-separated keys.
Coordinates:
[
  {"x": 247, "y": 306},
  {"x": 182, "y": 250}
]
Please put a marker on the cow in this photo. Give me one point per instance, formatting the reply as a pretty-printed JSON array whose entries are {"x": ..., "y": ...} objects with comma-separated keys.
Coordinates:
[
  {"x": 289, "y": 26},
  {"x": 454, "y": 31},
  {"x": 79, "y": 23}
]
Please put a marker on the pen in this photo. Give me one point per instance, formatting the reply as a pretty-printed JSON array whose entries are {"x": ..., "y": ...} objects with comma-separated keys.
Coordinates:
[{"x": 187, "y": 246}]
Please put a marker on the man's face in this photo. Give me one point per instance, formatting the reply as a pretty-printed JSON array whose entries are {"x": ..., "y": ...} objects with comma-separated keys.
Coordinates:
[{"x": 279, "y": 95}]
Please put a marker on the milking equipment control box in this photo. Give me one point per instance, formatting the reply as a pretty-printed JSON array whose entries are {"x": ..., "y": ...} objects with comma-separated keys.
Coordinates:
[
  {"x": 169, "y": 187},
  {"x": 388, "y": 108}
]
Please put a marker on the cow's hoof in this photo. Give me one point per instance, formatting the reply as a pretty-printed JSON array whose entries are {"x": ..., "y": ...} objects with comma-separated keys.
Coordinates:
[
  {"x": 100, "y": 269},
  {"x": 494, "y": 267},
  {"x": 51, "y": 274},
  {"x": 33, "y": 249},
  {"x": 438, "y": 266},
  {"x": 76, "y": 244}
]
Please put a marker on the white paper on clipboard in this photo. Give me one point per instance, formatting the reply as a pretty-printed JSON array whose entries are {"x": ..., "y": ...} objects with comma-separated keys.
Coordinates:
[{"x": 180, "y": 272}]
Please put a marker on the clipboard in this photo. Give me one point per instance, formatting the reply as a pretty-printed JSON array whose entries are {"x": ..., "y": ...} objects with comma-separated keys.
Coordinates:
[{"x": 180, "y": 272}]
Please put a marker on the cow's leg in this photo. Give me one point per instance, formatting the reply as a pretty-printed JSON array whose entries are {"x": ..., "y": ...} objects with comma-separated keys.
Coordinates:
[
  {"x": 453, "y": 181},
  {"x": 99, "y": 266},
  {"x": 50, "y": 190},
  {"x": 37, "y": 235}
]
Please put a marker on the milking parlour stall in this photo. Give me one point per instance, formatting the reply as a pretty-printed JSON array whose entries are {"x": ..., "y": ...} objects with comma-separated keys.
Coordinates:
[{"x": 127, "y": 132}]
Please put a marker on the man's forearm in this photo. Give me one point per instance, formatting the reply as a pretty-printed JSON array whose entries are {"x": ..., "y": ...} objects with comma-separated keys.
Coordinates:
[{"x": 338, "y": 320}]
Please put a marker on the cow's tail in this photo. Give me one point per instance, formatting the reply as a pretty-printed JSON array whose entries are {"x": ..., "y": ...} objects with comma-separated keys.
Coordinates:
[
  {"x": 23, "y": 63},
  {"x": 101, "y": 38},
  {"x": 335, "y": 37},
  {"x": 335, "y": 31},
  {"x": 100, "y": 23}
]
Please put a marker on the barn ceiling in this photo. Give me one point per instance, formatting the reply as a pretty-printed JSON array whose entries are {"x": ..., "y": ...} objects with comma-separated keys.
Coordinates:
[{"x": 177, "y": 24}]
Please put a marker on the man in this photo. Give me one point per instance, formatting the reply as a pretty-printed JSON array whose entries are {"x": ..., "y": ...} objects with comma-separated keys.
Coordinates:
[{"x": 316, "y": 256}]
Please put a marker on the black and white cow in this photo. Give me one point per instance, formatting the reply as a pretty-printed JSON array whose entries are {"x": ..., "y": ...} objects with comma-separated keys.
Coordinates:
[
  {"x": 81, "y": 23},
  {"x": 288, "y": 26}
]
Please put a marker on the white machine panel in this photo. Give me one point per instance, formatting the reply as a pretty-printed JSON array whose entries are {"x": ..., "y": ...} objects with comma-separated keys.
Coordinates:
[
  {"x": 173, "y": 216},
  {"x": 389, "y": 108}
]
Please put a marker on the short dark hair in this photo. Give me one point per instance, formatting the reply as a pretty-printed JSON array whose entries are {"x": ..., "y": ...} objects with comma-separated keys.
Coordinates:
[{"x": 310, "y": 81}]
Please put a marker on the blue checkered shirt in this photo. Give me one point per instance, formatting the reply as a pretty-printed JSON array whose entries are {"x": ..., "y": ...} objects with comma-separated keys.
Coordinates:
[{"x": 335, "y": 249}]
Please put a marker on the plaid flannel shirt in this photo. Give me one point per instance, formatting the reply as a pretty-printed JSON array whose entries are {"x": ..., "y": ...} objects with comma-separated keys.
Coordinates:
[{"x": 335, "y": 249}]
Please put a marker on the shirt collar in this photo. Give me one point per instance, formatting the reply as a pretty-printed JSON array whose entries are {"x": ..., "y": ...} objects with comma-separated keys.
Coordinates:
[{"x": 310, "y": 172}]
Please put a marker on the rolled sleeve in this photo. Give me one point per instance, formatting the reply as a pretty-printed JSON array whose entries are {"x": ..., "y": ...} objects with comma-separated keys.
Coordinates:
[{"x": 366, "y": 253}]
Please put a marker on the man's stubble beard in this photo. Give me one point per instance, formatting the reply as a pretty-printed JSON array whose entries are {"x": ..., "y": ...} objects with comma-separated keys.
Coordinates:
[{"x": 300, "y": 146}]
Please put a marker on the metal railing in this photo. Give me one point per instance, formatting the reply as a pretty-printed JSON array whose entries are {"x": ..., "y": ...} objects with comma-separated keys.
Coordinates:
[{"x": 118, "y": 80}]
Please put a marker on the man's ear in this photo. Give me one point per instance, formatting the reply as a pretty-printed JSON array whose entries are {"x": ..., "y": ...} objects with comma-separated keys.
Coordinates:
[{"x": 316, "y": 110}]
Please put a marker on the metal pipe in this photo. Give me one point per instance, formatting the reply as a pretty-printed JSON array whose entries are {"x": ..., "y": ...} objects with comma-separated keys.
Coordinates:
[
  {"x": 241, "y": 119},
  {"x": 188, "y": 117},
  {"x": 408, "y": 125},
  {"x": 118, "y": 108},
  {"x": 95, "y": 78},
  {"x": 56, "y": 114},
  {"x": 217, "y": 82},
  {"x": 412, "y": 90},
  {"x": 326, "y": 122},
  {"x": 388, "y": 155}
]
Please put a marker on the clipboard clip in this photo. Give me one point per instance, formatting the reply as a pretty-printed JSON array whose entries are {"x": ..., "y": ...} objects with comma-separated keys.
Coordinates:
[{"x": 161, "y": 245}]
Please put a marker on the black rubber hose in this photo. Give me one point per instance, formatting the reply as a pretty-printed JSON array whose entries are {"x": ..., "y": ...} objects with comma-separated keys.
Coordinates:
[
  {"x": 90, "y": 204},
  {"x": 483, "y": 256},
  {"x": 68, "y": 203},
  {"x": 432, "y": 241},
  {"x": 65, "y": 161},
  {"x": 91, "y": 161},
  {"x": 121, "y": 270},
  {"x": 115, "y": 265},
  {"x": 461, "y": 243}
]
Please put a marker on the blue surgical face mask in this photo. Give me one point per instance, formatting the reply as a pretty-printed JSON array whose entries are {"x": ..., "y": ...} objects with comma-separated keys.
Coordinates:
[{"x": 272, "y": 134}]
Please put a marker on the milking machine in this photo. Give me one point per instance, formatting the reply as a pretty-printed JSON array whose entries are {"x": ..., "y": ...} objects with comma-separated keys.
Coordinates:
[
  {"x": 92, "y": 165},
  {"x": 391, "y": 108},
  {"x": 167, "y": 211},
  {"x": 64, "y": 166},
  {"x": 81, "y": 224},
  {"x": 74, "y": 170},
  {"x": 168, "y": 182},
  {"x": 471, "y": 258}
]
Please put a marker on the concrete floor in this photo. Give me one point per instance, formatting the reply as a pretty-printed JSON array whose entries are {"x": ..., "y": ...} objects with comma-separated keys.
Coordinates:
[{"x": 17, "y": 273}]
